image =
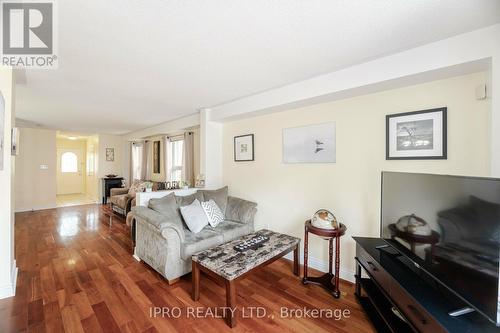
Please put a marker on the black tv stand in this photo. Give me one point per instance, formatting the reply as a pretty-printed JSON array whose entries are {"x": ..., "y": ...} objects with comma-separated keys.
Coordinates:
[{"x": 399, "y": 297}]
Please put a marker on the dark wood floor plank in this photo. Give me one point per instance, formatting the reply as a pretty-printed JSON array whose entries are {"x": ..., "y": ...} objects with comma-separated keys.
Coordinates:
[
  {"x": 106, "y": 321},
  {"x": 77, "y": 274}
]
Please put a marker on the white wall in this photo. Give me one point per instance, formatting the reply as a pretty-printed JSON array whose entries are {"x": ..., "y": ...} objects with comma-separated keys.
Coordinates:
[
  {"x": 92, "y": 155},
  {"x": 475, "y": 50},
  {"x": 35, "y": 187},
  {"x": 288, "y": 194},
  {"x": 107, "y": 167},
  {"x": 8, "y": 269}
]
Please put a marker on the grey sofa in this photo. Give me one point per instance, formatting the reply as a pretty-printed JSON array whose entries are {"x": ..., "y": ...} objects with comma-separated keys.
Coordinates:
[{"x": 163, "y": 241}]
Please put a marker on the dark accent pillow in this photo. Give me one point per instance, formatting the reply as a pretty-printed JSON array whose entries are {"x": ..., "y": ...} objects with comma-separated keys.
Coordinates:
[
  {"x": 162, "y": 186},
  {"x": 219, "y": 196},
  {"x": 166, "y": 206},
  {"x": 487, "y": 218},
  {"x": 186, "y": 200}
]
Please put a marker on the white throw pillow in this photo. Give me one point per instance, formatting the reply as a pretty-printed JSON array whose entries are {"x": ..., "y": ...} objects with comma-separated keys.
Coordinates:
[
  {"x": 213, "y": 212},
  {"x": 194, "y": 216}
]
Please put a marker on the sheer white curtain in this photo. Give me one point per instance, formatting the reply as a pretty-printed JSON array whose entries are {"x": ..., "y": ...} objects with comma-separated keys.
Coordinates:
[
  {"x": 167, "y": 158},
  {"x": 136, "y": 161},
  {"x": 131, "y": 164}
]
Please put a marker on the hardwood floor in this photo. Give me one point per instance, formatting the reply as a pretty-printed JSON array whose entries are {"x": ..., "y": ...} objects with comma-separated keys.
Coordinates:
[{"x": 76, "y": 274}]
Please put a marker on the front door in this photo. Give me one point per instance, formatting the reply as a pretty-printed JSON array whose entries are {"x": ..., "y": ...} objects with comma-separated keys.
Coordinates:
[{"x": 70, "y": 178}]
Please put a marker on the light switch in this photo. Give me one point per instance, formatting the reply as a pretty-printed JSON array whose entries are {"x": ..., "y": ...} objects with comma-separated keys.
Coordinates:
[{"x": 44, "y": 167}]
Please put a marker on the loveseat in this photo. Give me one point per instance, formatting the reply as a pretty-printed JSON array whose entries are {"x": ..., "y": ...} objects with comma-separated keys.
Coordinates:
[
  {"x": 165, "y": 243},
  {"x": 123, "y": 199}
]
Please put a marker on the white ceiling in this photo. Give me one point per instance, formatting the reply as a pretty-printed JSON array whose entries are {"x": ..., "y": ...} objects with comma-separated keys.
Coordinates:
[{"x": 129, "y": 64}]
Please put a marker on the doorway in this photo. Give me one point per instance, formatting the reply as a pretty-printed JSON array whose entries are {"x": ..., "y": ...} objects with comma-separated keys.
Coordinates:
[
  {"x": 72, "y": 170},
  {"x": 70, "y": 176}
]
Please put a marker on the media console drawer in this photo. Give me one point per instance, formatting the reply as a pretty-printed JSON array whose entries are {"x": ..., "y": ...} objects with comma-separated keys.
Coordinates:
[
  {"x": 381, "y": 277},
  {"x": 413, "y": 311}
]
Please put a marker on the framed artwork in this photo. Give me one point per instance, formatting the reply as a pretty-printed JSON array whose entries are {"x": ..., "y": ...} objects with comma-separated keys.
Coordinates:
[
  {"x": 419, "y": 135},
  {"x": 310, "y": 144},
  {"x": 110, "y": 154},
  {"x": 156, "y": 157},
  {"x": 243, "y": 148}
]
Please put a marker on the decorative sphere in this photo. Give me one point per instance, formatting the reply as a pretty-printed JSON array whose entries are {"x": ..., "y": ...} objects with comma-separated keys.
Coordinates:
[{"x": 324, "y": 219}]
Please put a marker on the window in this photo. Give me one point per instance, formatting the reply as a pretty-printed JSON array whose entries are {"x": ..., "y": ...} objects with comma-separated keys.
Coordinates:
[
  {"x": 69, "y": 162},
  {"x": 137, "y": 161},
  {"x": 176, "y": 149}
]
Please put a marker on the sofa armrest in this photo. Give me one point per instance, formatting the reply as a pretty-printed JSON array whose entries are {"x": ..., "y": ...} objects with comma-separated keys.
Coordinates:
[
  {"x": 118, "y": 191},
  {"x": 157, "y": 220},
  {"x": 240, "y": 210}
]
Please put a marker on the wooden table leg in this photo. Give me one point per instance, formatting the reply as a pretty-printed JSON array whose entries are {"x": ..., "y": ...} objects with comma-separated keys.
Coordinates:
[
  {"x": 195, "y": 291},
  {"x": 230, "y": 315},
  {"x": 306, "y": 236},
  {"x": 296, "y": 260},
  {"x": 330, "y": 255},
  {"x": 336, "y": 293}
]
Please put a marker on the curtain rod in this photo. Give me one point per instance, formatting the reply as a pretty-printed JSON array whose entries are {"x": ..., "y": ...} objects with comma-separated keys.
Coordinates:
[{"x": 179, "y": 135}]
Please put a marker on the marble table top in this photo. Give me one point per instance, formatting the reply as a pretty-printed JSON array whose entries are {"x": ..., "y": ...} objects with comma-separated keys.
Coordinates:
[{"x": 230, "y": 264}]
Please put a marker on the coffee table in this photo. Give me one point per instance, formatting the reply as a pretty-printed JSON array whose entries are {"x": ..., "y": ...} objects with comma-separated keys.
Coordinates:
[{"x": 223, "y": 262}]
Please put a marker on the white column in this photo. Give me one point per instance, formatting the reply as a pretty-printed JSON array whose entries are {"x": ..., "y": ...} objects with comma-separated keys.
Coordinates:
[
  {"x": 8, "y": 270},
  {"x": 494, "y": 93},
  {"x": 210, "y": 150}
]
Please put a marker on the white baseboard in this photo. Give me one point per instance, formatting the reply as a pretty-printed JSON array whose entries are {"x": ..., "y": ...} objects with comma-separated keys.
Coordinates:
[
  {"x": 9, "y": 290},
  {"x": 320, "y": 265},
  {"x": 29, "y": 209}
]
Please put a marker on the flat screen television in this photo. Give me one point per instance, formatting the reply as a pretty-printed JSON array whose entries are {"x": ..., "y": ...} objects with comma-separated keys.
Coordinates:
[{"x": 449, "y": 226}]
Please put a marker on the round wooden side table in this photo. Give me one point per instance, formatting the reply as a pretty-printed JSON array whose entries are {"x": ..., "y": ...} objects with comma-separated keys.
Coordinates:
[{"x": 329, "y": 281}]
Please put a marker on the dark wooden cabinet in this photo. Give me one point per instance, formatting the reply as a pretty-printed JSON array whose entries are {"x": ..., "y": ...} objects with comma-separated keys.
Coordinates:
[
  {"x": 400, "y": 297},
  {"x": 108, "y": 184}
]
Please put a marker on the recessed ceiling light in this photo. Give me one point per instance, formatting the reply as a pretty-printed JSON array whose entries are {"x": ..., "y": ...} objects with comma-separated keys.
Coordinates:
[{"x": 72, "y": 137}]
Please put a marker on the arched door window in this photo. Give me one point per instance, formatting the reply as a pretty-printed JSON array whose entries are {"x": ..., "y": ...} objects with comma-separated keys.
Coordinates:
[{"x": 69, "y": 162}]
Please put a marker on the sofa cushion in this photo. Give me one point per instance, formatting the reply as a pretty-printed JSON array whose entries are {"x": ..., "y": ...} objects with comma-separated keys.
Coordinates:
[
  {"x": 136, "y": 186},
  {"x": 213, "y": 212},
  {"x": 219, "y": 196},
  {"x": 120, "y": 200},
  {"x": 240, "y": 210},
  {"x": 488, "y": 215},
  {"x": 203, "y": 240},
  {"x": 188, "y": 199},
  {"x": 166, "y": 206},
  {"x": 194, "y": 216},
  {"x": 231, "y": 230}
]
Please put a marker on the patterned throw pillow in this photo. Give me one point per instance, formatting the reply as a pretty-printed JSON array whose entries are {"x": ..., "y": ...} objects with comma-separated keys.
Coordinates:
[{"x": 213, "y": 212}]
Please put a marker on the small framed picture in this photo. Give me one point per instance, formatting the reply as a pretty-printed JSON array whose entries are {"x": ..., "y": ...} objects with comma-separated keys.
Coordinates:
[
  {"x": 419, "y": 135},
  {"x": 110, "y": 154},
  {"x": 243, "y": 148}
]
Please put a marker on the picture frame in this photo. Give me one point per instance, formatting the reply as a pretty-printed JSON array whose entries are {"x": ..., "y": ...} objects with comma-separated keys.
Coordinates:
[
  {"x": 110, "y": 154},
  {"x": 156, "y": 156},
  {"x": 314, "y": 143},
  {"x": 244, "y": 148},
  {"x": 417, "y": 135}
]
